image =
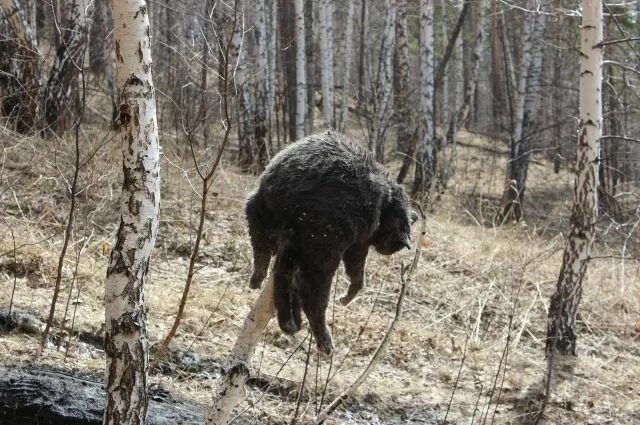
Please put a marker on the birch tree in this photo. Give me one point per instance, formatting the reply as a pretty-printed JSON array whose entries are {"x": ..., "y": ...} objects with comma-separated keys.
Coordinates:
[
  {"x": 325, "y": 16},
  {"x": 126, "y": 344},
  {"x": 301, "y": 78},
  {"x": 68, "y": 61},
  {"x": 260, "y": 41},
  {"x": 460, "y": 117},
  {"x": 347, "y": 54},
  {"x": 561, "y": 327},
  {"x": 382, "y": 104},
  {"x": 24, "y": 84},
  {"x": 405, "y": 142},
  {"x": 426, "y": 156},
  {"x": 524, "y": 117}
]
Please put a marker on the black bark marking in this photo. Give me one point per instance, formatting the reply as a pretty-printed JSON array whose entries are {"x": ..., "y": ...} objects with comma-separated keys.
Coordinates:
[{"x": 119, "y": 57}]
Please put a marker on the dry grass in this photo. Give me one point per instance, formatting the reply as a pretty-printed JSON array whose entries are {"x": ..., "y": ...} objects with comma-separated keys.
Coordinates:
[{"x": 477, "y": 287}]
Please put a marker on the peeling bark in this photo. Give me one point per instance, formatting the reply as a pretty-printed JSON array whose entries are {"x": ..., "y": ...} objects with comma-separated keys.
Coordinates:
[
  {"x": 125, "y": 313},
  {"x": 561, "y": 325},
  {"x": 301, "y": 77}
]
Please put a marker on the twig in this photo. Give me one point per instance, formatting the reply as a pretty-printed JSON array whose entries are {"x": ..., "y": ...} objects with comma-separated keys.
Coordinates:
[{"x": 405, "y": 278}]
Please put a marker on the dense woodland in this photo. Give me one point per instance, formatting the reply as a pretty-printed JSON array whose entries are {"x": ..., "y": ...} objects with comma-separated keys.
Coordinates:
[{"x": 513, "y": 124}]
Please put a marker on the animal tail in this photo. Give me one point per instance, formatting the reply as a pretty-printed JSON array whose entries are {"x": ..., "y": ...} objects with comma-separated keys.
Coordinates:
[{"x": 286, "y": 299}]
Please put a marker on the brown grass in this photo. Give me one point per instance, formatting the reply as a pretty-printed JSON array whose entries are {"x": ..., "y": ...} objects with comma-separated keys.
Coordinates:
[{"x": 472, "y": 279}]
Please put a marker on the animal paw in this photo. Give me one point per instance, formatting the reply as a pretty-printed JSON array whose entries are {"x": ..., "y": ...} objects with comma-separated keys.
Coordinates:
[{"x": 256, "y": 280}]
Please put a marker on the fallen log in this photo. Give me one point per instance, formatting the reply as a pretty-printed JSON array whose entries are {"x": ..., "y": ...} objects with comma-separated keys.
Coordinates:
[{"x": 30, "y": 396}]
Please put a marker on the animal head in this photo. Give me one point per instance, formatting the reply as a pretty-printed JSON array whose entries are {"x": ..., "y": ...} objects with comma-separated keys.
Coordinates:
[{"x": 396, "y": 218}]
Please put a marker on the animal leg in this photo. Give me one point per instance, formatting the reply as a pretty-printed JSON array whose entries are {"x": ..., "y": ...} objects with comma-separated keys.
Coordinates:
[{"x": 354, "y": 260}]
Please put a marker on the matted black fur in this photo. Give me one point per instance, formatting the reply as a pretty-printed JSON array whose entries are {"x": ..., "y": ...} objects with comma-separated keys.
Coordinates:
[{"x": 321, "y": 200}]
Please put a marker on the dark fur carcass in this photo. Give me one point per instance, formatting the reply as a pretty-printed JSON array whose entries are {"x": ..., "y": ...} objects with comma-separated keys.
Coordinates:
[{"x": 322, "y": 200}]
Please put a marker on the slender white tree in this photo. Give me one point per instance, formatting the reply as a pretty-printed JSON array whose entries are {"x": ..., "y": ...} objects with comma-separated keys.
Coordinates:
[
  {"x": 347, "y": 55},
  {"x": 260, "y": 41},
  {"x": 401, "y": 93},
  {"x": 425, "y": 167},
  {"x": 384, "y": 83},
  {"x": 125, "y": 313},
  {"x": 301, "y": 76},
  {"x": 325, "y": 17},
  {"x": 524, "y": 116},
  {"x": 561, "y": 327}
]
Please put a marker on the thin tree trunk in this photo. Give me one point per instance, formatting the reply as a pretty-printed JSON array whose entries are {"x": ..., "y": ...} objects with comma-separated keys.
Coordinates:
[
  {"x": 272, "y": 48},
  {"x": 347, "y": 51},
  {"x": 310, "y": 25},
  {"x": 231, "y": 387},
  {"x": 525, "y": 112},
  {"x": 444, "y": 102},
  {"x": 362, "y": 77},
  {"x": 24, "y": 85},
  {"x": 260, "y": 38},
  {"x": 405, "y": 144},
  {"x": 286, "y": 18},
  {"x": 325, "y": 17},
  {"x": 383, "y": 100},
  {"x": 126, "y": 344},
  {"x": 301, "y": 78},
  {"x": 426, "y": 157},
  {"x": 460, "y": 117},
  {"x": 65, "y": 69},
  {"x": 561, "y": 328}
]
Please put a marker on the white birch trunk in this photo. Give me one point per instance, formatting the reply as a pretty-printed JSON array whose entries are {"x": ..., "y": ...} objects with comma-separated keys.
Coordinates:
[
  {"x": 68, "y": 61},
  {"x": 125, "y": 314},
  {"x": 261, "y": 78},
  {"x": 301, "y": 78},
  {"x": 382, "y": 106},
  {"x": 425, "y": 167},
  {"x": 272, "y": 46},
  {"x": 325, "y": 16},
  {"x": 231, "y": 386},
  {"x": 461, "y": 115},
  {"x": 347, "y": 51},
  {"x": 445, "y": 78},
  {"x": 561, "y": 330},
  {"x": 524, "y": 122}
]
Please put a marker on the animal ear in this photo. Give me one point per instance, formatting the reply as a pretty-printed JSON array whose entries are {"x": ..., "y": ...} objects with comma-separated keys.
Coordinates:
[{"x": 413, "y": 216}]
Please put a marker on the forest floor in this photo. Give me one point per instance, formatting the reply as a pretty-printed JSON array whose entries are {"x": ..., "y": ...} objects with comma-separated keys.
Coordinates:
[{"x": 470, "y": 343}]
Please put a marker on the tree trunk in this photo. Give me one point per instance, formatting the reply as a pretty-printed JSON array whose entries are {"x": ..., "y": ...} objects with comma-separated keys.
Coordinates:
[
  {"x": 231, "y": 387},
  {"x": 561, "y": 327},
  {"x": 287, "y": 40},
  {"x": 347, "y": 51},
  {"x": 272, "y": 48},
  {"x": 426, "y": 158},
  {"x": 238, "y": 61},
  {"x": 23, "y": 87},
  {"x": 362, "y": 77},
  {"x": 126, "y": 344},
  {"x": 524, "y": 120},
  {"x": 325, "y": 17},
  {"x": 460, "y": 117},
  {"x": 382, "y": 107},
  {"x": 310, "y": 25},
  {"x": 260, "y": 41},
  {"x": 68, "y": 62},
  {"x": 301, "y": 78},
  {"x": 405, "y": 141}
]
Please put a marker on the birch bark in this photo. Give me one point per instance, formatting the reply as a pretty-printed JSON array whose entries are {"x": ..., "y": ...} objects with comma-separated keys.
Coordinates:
[
  {"x": 126, "y": 344},
  {"x": 301, "y": 77},
  {"x": 561, "y": 325}
]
